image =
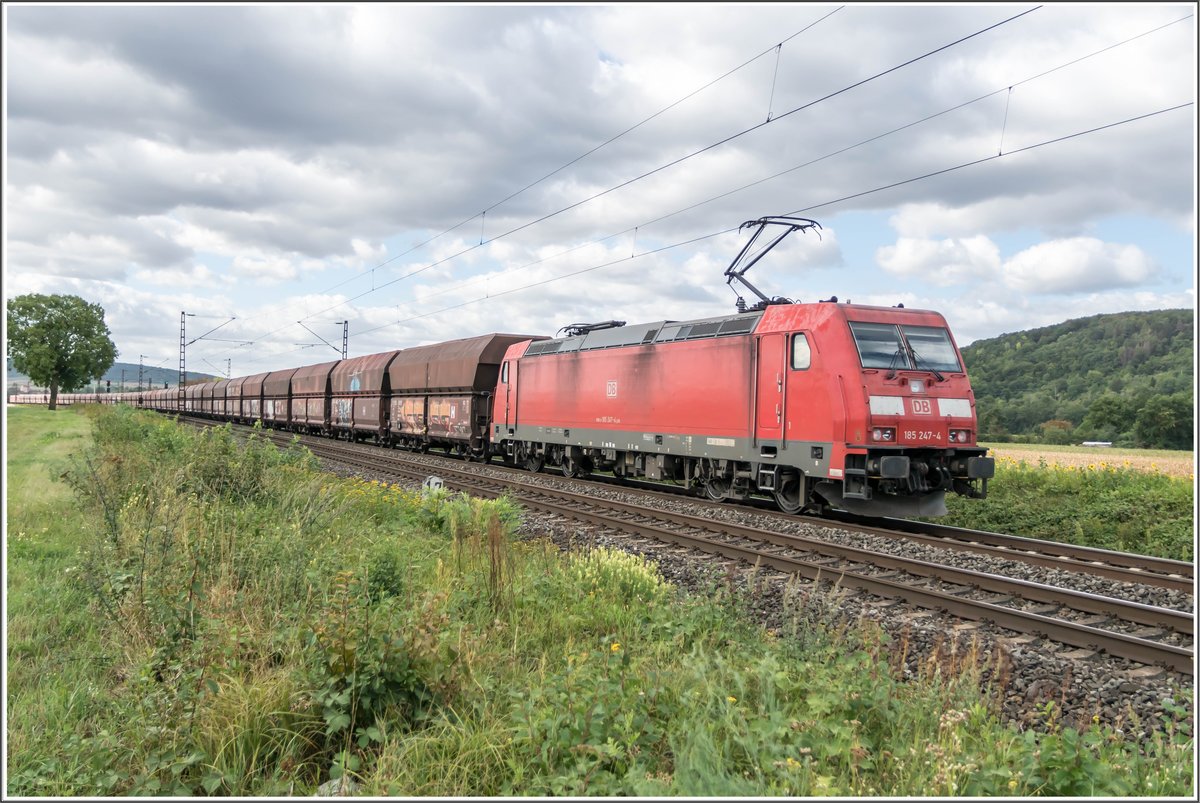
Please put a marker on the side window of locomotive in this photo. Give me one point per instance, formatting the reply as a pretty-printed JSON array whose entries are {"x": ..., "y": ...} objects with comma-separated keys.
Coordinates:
[
  {"x": 504, "y": 374},
  {"x": 879, "y": 345},
  {"x": 801, "y": 352}
]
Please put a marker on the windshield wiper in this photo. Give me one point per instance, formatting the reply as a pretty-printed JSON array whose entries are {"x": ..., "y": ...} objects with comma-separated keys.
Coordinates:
[
  {"x": 891, "y": 374},
  {"x": 917, "y": 359}
]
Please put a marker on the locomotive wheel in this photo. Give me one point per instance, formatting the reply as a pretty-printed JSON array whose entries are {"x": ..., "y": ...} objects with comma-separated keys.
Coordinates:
[
  {"x": 788, "y": 497},
  {"x": 527, "y": 458},
  {"x": 716, "y": 490},
  {"x": 574, "y": 469}
]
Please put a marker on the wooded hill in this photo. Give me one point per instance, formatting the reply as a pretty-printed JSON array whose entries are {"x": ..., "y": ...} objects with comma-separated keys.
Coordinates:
[{"x": 1126, "y": 378}]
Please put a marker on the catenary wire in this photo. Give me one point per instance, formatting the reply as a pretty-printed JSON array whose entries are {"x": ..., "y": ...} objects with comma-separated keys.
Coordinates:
[
  {"x": 673, "y": 163},
  {"x": 690, "y": 241},
  {"x": 844, "y": 198},
  {"x": 823, "y": 204},
  {"x": 794, "y": 168},
  {"x": 656, "y": 170},
  {"x": 577, "y": 159}
]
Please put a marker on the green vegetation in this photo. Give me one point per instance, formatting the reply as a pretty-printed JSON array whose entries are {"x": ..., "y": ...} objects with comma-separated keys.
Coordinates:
[
  {"x": 212, "y": 619},
  {"x": 1126, "y": 378},
  {"x": 1098, "y": 505}
]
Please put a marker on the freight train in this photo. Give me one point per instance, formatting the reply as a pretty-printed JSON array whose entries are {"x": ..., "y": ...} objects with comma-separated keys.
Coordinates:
[{"x": 818, "y": 405}]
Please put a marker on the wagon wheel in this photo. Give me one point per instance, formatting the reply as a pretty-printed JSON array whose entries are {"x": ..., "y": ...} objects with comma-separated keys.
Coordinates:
[{"x": 790, "y": 495}]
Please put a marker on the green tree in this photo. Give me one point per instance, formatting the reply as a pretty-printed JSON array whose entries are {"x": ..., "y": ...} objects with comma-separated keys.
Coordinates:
[
  {"x": 60, "y": 341},
  {"x": 1108, "y": 417},
  {"x": 1056, "y": 430},
  {"x": 1165, "y": 422}
]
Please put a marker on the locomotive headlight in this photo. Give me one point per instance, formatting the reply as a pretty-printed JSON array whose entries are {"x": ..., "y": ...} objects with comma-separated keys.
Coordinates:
[
  {"x": 883, "y": 434},
  {"x": 960, "y": 436}
]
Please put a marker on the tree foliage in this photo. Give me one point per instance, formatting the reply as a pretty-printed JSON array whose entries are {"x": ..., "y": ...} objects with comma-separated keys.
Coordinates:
[
  {"x": 1126, "y": 378},
  {"x": 60, "y": 341}
]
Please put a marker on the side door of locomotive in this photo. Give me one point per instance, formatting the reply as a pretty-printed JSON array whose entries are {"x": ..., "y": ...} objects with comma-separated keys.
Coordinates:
[
  {"x": 508, "y": 378},
  {"x": 769, "y": 387}
]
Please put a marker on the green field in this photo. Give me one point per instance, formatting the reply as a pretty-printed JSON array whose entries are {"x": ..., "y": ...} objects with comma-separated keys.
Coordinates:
[
  {"x": 1123, "y": 499},
  {"x": 187, "y": 615}
]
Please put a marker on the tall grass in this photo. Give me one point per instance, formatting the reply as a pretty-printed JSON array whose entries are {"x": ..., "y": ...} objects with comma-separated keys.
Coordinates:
[
  {"x": 217, "y": 619},
  {"x": 1097, "y": 504}
]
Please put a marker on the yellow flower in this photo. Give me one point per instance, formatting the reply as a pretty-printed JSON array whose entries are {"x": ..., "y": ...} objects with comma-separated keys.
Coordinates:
[
  {"x": 616, "y": 646},
  {"x": 731, "y": 699}
]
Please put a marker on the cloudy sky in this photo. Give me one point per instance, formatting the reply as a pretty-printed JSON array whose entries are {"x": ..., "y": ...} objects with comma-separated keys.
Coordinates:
[{"x": 434, "y": 172}]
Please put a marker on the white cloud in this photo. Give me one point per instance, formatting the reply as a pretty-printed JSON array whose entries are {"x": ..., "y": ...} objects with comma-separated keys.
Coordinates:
[
  {"x": 1077, "y": 265},
  {"x": 265, "y": 270},
  {"x": 183, "y": 276},
  {"x": 974, "y": 318},
  {"x": 941, "y": 262}
]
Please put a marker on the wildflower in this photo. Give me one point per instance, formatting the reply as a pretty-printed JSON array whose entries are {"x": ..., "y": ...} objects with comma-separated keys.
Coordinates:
[
  {"x": 616, "y": 646},
  {"x": 731, "y": 699}
]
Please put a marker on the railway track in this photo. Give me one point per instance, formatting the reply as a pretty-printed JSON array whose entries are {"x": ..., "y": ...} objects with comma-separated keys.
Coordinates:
[
  {"x": 1087, "y": 622},
  {"x": 1122, "y": 566}
]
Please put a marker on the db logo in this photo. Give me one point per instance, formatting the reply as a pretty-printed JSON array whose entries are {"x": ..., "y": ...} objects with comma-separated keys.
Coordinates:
[
  {"x": 922, "y": 406},
  {"x": 612, "y": 389}
]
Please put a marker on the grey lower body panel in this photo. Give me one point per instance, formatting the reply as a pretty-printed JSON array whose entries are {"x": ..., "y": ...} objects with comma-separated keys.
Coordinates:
[{"x": 810, "y": 457}]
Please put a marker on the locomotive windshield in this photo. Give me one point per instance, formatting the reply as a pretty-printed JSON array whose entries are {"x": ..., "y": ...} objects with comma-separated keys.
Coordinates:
[{"x": 898, "y": 347}]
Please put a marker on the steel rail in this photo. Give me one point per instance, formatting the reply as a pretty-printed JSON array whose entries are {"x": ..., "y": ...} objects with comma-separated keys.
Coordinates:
[{"x": 1138, "y": 568}]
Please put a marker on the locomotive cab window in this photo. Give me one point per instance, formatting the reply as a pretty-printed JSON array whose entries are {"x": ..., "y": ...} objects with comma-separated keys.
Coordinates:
[
  {"x": 801, "y": 352},
  {"x": 931, "y": 348},
  {"x": 909, "y": 348},
  {"x": 504, "y": 374},
  {"x": 879, "y": 345}
]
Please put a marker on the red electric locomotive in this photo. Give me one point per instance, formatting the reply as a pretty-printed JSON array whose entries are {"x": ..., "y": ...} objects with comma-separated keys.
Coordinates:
[{"x": 867, "y": 409}]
